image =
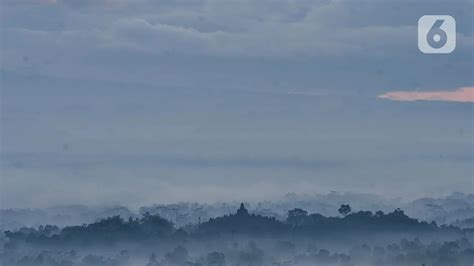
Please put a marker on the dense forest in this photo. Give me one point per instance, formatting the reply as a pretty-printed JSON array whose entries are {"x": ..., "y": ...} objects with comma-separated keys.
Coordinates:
[
  {"x": 455, "y": 208},
  {"x": 244, "y": 238}
]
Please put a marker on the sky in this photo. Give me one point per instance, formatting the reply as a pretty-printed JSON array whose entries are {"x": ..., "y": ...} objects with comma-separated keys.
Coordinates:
[{"x": 140, "y": 102}]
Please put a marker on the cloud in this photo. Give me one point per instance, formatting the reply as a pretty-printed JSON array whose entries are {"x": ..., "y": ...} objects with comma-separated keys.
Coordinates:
[
  {"x": 282, "y": 29},
  {"x": 465, "y": 94},
  {"x": 317, "y": 41}
]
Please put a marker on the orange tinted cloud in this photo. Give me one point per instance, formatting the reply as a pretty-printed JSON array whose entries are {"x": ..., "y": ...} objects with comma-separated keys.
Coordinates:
[{"x": 465, "y": 94}]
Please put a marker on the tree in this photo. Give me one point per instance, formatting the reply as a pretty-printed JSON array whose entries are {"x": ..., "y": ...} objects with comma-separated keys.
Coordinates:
[
  {"x": 379, "y": 214},
  {"x": 345, "y": 209},
  {"x": 296, "y": 216}
]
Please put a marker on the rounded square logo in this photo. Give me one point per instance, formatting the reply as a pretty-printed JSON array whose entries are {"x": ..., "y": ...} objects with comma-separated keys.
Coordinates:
[{"x": 436, "y": 34}]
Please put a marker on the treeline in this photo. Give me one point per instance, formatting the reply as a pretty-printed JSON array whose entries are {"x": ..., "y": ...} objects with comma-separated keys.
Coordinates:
[
  {"x": 106, "y": 231},
  {"x": 298, "y": 222}
]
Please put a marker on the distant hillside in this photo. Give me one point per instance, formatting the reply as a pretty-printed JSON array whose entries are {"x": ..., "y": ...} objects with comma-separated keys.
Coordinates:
[
  {"x": 444, "y": 210},
  {"x": 299, "y": 222}
]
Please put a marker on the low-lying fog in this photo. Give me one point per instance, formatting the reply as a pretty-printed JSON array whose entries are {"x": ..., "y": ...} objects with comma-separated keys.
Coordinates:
[{"x": 331, "y": 229}]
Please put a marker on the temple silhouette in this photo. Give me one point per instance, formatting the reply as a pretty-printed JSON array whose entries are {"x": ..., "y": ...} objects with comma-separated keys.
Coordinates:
[{"x": 242, "y": 211}]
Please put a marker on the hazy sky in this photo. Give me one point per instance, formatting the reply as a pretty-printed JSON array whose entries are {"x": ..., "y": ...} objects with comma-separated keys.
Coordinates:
[{"x": 137, "y": 102}]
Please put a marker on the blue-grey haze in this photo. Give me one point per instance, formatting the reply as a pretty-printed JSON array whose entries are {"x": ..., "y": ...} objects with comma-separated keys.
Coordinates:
[{"x": 137, "y": 102}]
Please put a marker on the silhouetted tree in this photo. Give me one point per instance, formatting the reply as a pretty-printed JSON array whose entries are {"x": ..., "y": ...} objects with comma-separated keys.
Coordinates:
[
  {"x": 296, "y": 216},
  {"x": 345, "y": 209}
]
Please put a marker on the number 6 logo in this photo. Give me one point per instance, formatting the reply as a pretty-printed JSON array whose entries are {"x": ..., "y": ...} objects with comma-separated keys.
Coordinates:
[{"x": 436, "y": 34}]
